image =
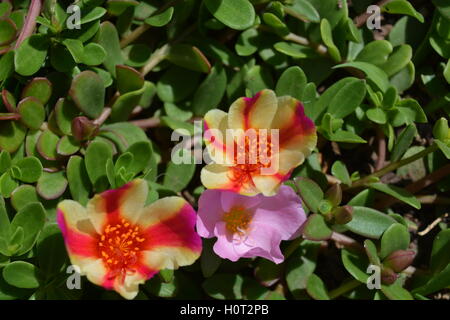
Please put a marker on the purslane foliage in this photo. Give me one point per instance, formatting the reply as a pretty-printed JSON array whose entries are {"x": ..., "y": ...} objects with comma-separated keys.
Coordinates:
[{"x": 87, "y": 109}]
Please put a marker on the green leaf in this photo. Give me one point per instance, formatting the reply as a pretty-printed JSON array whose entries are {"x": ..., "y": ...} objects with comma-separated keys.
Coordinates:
[
  {"x": 435, "y": 282},
  {"x": 22, "y": 274},
  {"x": 398, "y": 193},
  {"x": 210, "y": 92},
  {"x": 356, "y": 264},
  {"x": 30, "y": 168},
  {"x": 339, "y": 170},
  {"x": 346, "y": 136},
  {"x": 31, "y": 219},
  {"x": 303, "y": 10},
  {"x": 396, "y": 237},
  {"x": 327, "y": 38},
  {"x": 32, "y": 112},
  {"x": 51, "y": 251},
  {"x": 88, "y": 93},
  {"x": 236, "y": 14},
  {"x": 188, "y": 57},
  {"x": 108, "y": 38},
  {"x": 31, "y": 54},
  {"x": 310, "y": 192},
  {"x": 46, "y": 145},
  {"x": 142, "y": 153},
  {"x": 444, "y": 148},
  {"x": 7, "y": 184},
  {"x": 178, "y": 175},
  {"x": 79, "y": 183},
  {"x": 377, "y": 115},
  {"x": 316, "y": 288},
  {"x": 439, "y": 253},
  {"x": 97, "y": 154},
  {"x": 248, "y": 42},
  {"x": 407, "y": 111},
  {"x": 300, "y": 265},
  {"x": 176, "y": 84},
  {"x": 403, "y": 142},
  {"x": 371, "y": 251},
  {"x": 160, "y": 19},
  {"x": 6, "y": 65},
  {"x": 396, "y": 292},
  {"x": 375, "y": 74},
  {"x": 67, "y": 146},
  {"x": 12, "y": 135},
  {"x": 65, "y": 112},
  {"x": 8, "y": 31},
  {"x": 23, "y": 195},
  {"x": 209, "y": 261},
  {"x": 398, "y": 60},
  {"x": 316, "y": 229},
  {"x": 5, "y": 161},
  {"x": 128, "y": 79},
  {"x": 93, "y": 54},
  {"x": 402, "y": 7},
  {"x": 51, "y": 185},
  {"x": 40, "y": 88},
  {"x": 292, "y": 83},
  {"x": 224, "y": 286},
  {"x": 369, "y": 222},
  {"x": 347, "y": 99}
]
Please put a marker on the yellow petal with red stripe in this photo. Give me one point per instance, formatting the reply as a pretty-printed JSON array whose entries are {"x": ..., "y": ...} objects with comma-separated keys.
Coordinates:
[
  {"x": 124, "y": 202},
  {"x": 215, "y": 176},
  {"x": 215, "y": 136},
  {"x": 253, "y": 113},
  {"x": 169, "y": 229}
]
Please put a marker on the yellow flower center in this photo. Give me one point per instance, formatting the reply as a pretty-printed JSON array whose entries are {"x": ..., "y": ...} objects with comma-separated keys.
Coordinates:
[
  {"x": 250, "y": 156},
  {"x": 119, "y": 246},
  {"x": 237, "y": 221}
]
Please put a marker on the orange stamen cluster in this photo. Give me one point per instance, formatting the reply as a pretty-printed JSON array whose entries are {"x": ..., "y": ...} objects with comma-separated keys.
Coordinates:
[
  {"x": 237, "y": 221},
  {"x": 250, "y": 156},
  {"x": 119, "y": 246}
]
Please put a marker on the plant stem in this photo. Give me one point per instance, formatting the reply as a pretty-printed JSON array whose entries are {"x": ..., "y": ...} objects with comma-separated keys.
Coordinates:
[
  {"x": 320, "y": 49},
  {"x": 393, "y": 166},
  {"x": 158, "y": 56},
  {"x": 136, "y": 33},
  {"x": 344, "y": 288},
  {"x": 30, "y": 22}
]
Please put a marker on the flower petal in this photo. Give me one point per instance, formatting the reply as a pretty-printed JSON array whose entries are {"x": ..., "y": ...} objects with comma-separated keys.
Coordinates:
[
  {"x": 216, "y": 124},
  {"x": 297, "y": 131},
  {"x": 209, "y": 215},
  {"x": 171, "y": 240},
  {"x": 284, "y": 213},
  {"x": 216, "y": 176},
  {"x": 77, "y": 230},
  {"x": 256, "y": 112},
  {"x": 125, "y": 202}
]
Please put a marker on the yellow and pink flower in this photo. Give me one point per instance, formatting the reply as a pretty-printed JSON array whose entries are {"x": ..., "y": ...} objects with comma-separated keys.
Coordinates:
[
  {"x": 118, "y": 243},
  {"x": 254, "y": 160}
]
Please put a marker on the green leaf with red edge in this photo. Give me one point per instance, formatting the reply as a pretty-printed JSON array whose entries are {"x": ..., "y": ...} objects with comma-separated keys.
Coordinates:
[{"x": 88, "y": 93}]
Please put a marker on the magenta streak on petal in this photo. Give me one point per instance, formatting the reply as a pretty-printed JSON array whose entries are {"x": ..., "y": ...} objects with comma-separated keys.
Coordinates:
[
  {"x": 77, "y": 243},
  {"x": 249, "y": 104}
]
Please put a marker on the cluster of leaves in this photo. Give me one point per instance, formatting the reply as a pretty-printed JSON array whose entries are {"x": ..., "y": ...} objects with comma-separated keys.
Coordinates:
[{"x": 86, "y": 109}]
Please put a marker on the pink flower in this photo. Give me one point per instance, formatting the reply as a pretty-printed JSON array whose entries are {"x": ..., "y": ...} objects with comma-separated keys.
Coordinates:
[{"x": 248, "y": 227}]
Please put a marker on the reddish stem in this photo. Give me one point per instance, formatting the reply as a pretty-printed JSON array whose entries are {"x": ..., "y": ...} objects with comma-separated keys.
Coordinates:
[{"x": 30, "y": 22}]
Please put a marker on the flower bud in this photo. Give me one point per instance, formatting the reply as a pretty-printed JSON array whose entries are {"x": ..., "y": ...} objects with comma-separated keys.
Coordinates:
[
  {"x": 334, "y": 194},
  {"x": 399, "y": 260},
  {"x": 83, "y": 128},
  {"x": 388, "y": 276},
  {"x": 441, "y": 130},
  {"x": 343, "y": 214}
]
